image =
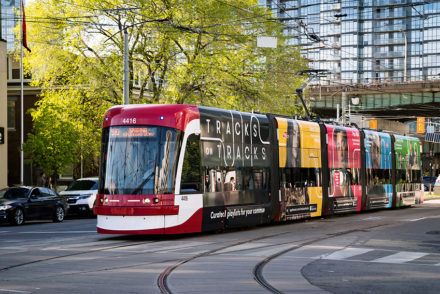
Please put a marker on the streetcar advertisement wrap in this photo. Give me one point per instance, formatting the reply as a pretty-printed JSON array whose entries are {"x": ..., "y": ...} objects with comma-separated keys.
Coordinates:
[
  {"x": 236, "y": 167},
  {"x": 378, "y": 159},
  {"x": 408, "y": 174},
  {"x": 300, "y": 169},
  {"x": 344, "y": 162},
  {"x": 173, "y": 169}
]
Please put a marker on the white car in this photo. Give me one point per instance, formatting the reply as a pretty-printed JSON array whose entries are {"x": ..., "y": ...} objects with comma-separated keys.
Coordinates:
[{"x": 81, "y": 195}]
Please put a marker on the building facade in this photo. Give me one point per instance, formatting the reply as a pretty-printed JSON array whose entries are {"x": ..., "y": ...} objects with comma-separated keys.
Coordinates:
[
  {"x": 3, "y": 117},
  {"x": 11, "y": 104},
  {"x": 380, "y": 57},
  {"x": 366, "y": 45},
  {"x": 9, "y": 21}
]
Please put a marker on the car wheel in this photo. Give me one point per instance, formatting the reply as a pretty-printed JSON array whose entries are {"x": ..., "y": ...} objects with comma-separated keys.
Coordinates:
[
  {"x": 59, "y": 214},
  {"x": 18, "y": 217}
]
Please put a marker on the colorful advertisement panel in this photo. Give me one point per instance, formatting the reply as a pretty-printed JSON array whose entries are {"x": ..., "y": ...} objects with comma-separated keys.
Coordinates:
[
  {"x": 407, "y": 152},
  {"x": 408, "y": 173},
  {"x": 344, "y": 162},
  {"x": 235, "y": 151},
  {"x": 300, "y": 169},
  {"x": 378, "y": 163}
]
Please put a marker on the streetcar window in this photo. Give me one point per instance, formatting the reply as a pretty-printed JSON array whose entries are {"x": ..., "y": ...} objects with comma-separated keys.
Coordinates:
[
  {"x": 300, "y": 177},
  {"x": 191, "y": 170}
]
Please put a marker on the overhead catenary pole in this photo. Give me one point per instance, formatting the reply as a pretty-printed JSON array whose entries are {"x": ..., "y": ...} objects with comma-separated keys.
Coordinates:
[
  {"x": 344, "y": 107},
  {"x": 314, "y": 73},
  {"x": 21, "y": 100},
  {"x": 126, "y": 72}
]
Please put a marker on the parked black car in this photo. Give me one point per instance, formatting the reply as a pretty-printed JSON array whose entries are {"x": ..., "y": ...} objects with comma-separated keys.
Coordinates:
[
  {"x": 429, "y": 180},
  {"x": 18, "y": 204}
]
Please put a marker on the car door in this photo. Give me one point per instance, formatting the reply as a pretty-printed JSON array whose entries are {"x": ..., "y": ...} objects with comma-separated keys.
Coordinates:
[
  {"x": 35, "y": 205},
  {"x": 48, "y": 202}
]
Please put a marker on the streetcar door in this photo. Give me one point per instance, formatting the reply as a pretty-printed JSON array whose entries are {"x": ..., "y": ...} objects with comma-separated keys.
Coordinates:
[{"x": 189, "y": 195}]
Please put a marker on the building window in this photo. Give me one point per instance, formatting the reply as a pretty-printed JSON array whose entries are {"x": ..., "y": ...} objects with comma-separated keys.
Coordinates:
[{"x": 11, "y": 113}]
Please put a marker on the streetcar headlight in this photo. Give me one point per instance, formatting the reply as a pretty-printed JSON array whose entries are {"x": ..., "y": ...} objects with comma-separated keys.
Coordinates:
[
  {"x": 156, "y": 200},
  {"x": 106, "y": 200},
  {"x": 147, "y": 200}
]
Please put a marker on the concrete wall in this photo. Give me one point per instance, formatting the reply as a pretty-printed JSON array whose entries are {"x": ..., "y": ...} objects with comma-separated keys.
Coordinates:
[
  {"x": 388, "y": 125},
  {"x": 3, "y": 116}
]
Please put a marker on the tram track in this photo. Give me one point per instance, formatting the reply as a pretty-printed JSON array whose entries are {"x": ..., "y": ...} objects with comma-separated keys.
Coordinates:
[
  {"x": 162, "y": 281},
  {"x": 97, "y": 250},
  {"x": 66, "y": 256},
  {"x": 163, "y": 277}
]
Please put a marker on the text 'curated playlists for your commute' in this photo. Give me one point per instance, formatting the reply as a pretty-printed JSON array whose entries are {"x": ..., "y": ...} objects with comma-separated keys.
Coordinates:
[{"x": 237, "y": 212}]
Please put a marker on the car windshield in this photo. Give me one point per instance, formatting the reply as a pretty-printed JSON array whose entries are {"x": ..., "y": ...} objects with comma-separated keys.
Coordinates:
[
  {"x": 83, "y": 185},
  {"x": 13, "y": 193}
]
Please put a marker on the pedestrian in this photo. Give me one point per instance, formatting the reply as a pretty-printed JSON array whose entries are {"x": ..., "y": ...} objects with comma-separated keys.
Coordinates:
[
  {"x": 49, "y": 183},
  {"x": 41, "y": 180}
]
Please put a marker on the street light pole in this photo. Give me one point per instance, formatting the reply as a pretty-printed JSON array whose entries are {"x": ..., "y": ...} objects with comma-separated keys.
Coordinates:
[{"x": 126, "y": 72}]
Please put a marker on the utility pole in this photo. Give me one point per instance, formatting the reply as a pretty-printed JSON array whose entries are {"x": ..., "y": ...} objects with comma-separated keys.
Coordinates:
[
  {"x": 343, "y": 107},
  {"x": 126, "y": 72}
]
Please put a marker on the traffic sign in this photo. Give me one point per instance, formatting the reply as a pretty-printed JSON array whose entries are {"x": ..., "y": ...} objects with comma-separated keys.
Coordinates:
[{"x": 420, "y": 125}]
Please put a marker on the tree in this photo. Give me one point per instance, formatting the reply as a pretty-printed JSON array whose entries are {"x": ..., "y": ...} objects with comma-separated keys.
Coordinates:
[
  {"x": 196, "y": 52},
  {"x": 54, "y": 136}
]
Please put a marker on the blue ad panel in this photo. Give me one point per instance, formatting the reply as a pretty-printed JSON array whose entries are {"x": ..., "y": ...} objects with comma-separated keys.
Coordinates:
[
  {"x": 378, "y": 164},
  {"x": 389, "y": 193},
  {"x": 378, "y": 150}
]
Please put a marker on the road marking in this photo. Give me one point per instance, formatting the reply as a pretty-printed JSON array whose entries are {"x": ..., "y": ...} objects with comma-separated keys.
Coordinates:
[
  {"x": 373, "y": 218},
  {"x": 415, "y": 219},
  {"x": 2, "y": 232},
  {"x": 13, "y": 291},
  {"x": 53, "y": 232},
  {"x": 400, "y": 257},
  {"x": 394, "y": 257},
  {"x": 346, "y": 253}
]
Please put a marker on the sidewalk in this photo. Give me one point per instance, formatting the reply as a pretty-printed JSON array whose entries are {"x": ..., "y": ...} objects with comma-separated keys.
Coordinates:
[{"x": 428, "y": 196}]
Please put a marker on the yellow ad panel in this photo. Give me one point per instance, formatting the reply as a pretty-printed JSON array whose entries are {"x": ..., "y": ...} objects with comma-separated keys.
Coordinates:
[
  {"x": 315, "y": 197},
  {"x": 282, "y": 140},
  {"x": 310, "y": 144},
  {"x": 307, "y": 126},
  {"x": 310, "y": 158}
]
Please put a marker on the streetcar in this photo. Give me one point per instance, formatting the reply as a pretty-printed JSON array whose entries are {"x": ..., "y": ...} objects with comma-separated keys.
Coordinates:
[{"x": 175, "y": 169}]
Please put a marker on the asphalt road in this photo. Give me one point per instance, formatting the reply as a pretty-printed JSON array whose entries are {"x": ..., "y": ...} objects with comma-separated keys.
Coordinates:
[{"x": 389, "y": 251}]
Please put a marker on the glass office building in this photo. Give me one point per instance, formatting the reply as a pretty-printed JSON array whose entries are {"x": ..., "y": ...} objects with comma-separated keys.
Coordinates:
[
  {"x": 393, "y": 44},
  {"x": 9, "y": 21}
]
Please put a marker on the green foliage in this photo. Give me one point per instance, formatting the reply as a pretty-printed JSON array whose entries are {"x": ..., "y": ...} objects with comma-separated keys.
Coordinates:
[
  {"x": 195, "y": 52},
  {"x": 54, "y": 136}
]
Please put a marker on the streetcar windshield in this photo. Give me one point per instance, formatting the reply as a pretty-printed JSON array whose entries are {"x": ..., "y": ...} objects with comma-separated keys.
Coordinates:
[{"x": 139, "y": 160}]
